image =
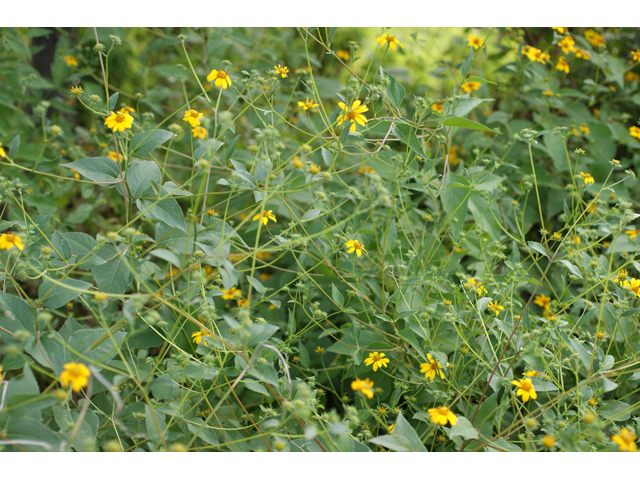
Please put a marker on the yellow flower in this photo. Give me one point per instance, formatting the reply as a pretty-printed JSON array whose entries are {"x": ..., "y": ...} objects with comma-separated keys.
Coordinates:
[
  {"x": 193, "y": 117},
  {"x": 200, "y": 337},
  {"x": 548, "y": 441},
  {"x": 635, "y": 54},
  {"x": 430, "y": 369},
  {"x": 626, "y": 440},
  {"x": 531, "y": 373},
  {"x": 576, "y": 239},
  {"x": 390, "y": 40},
  {"x": 221, "y": 78},
  {"x": 621, "y": 276},
  {"x": 391, "y": 427},
  {"x": 71, "y": 60},
  {"x": 469, "y": 87},
  {"x": 634, "y": 132},
  {"x": 0, "y": 373},
  {"x": 584, "y": 129},
  {"x": 364, "y": 386},
  {"x": 632, "y": 284},
  {"x": 100, "y": 296},
  {"x": 475, "y": 41},
  {"x": 547, "y": 93},
  {"x": 495, "y": 307},
  {"x": 587, "y": 177},
  {"x": 543, "y": 301},
  {"x": 115, "y": 156},
  {"x": 10, "y": 240},
  {"x": 377, "y": 359},
  {"x": 557, "y": 236},
  {"x": 243, "y": 302},
  {"x": 308, "y": 104},
  {"x": 353, "y": 114},
  {"x": 632, "y": 77},
  {"x": 297, "y": 162},
  {"x": 119, "y": 121},
  {"x": 231, "y": 294},
  {"x": 199, "y": 132},
  {"x": 319, "y": 349},
  {"x": 560, "y": 30},
  {"x": 525, "y": 390},
  {"x": 76, "y": 90},
  {"x": 581, "y": 53},
  {"x": 594, "y": 38},
  {"x": 471, "y": 283},
  {"x": 355, "y": 246},
  {"x": 551, "y": 317},
  {"x": 632, "y": 233},
  {"x": 281, "y": 70},
  {"x": 127, "y": 109},
  {"x": 567, "y": 44},
  {"x": 343, "y": 54},
  {"x": 2, "y": 152},
  {"x": 454, "y": 159},
  {"x": 76, "y": 374},
  {"x": 437, "y": 107},
  {"x": 562, "y": 65},
  {"x": 442, "y": 415},
  {"x": 366, "y": 169},
  {"x": 382, "y": 410},
  {"x": 313, "y": 168},
  {"x": 265, "y": 216}
]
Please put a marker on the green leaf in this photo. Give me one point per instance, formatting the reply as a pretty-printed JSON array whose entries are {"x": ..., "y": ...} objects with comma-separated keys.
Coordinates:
[
  {"x": 572, "y": 268},
  {"x": 455, "y": 197},
  {"x": 264, "y": 372},
  {"x": 209, "y": 148},
  {"x": 155, "y": 424},
  {"x": 85, "y": 437},
  {"x": 84, "y": 339},
  {"x": 617, "y": 411},
  {"x": 466, "y": 104},
  {"x": 144, "y": 143},
  {"x": 97, "y": 169},
  {"x": 113, "y": 101},
  {"x": 466, "y": 123},
  {"x": 337, "y": 296},
  {"x": 55, "y": 296},
  {"x": 407, "y": 135},
  {"x": 113, "y": 276},
  {"x": 481, "y": 80},
  {"x": 538, "y": 248},
  {"x": 395, "y": 91},
  {"x": 14, "y": 146},
  {"x": 403, "y": 439},
  {"x": 466, "y": 63},
  {"x": 464, "y": 429},
  {"x": 311, "y": 214},
  {"x": 15, "y": 315}
]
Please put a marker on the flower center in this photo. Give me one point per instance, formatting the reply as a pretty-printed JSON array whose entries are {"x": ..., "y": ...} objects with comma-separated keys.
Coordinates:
[
  {"x": 222, "y": 74},
  {"x": 391, "y": 38},
  {"x": 376, "y": 357},
  {"x": 358, "y": 246},
  {"x": 433, "y": 366},
  {"x": 75, "y": 371},
  {"x": 120, "y": 118},
  {"x": 526, "y": 385},
  {"x": 443, "y": 410}
]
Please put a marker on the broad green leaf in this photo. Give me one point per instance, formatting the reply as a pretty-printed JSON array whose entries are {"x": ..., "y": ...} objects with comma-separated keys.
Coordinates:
[
  {"x": 97, "y": 169},
  {"x": 464, "y": 429},
  {"x": 538, "y": 248},
  {"x": 15, "y": 315},
  {"x": 55, "y": 296},
  {"x": 459, "y": 122},
  {"x": 466, "y": 63},
  {"x": 407, "y": 135},
  {"x": 144, "y": 143},
  {"x": 395, "y": 91},
  {"x": 113, "y": 276}
]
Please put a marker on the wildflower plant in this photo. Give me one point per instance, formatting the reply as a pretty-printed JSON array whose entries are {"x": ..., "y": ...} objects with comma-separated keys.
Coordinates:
[{"x": 318, "y": 242}]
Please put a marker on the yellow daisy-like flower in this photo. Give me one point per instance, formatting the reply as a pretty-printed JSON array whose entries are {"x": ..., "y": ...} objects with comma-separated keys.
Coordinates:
[
  {"x": 631, "y": 77},
  {"x": 119, "y": 121},
  {"x": 562, "y": 65},
  {"x": 560, "y": 30},
  {"x": 344, "y": 54},
  {"x": 626, "y": 440},
  {"x": 548, "y": 441},
  {"x": 437, "y": 107},
  {"x": 366, "y": 169},
  {"x": 221, "y": 78},
  {"x": 635, "y": 55},
  {"x": 377, "y": 359},
  {"x": 620, "y": 276},
  {"x": 319, "y": 349},
  {"x": 76, "y": 374},
  {"x": 313, "y": 168},
  {"x": 71, "y": 60},
  {"x": 531, "y": 373},
  {"x": 632, "y": 233},
  {"x": 594, "y": 38},
  {"x": 200, "y": 337},
  {"x": 115, "y": 157},
  {"x": 469, "y": 87},
  {"x": 634, "y": 132},
  {"x": 10, "y": 240},
  {"x": 441, "y": 415},
  {"x": 2, "y": 152},
  {"x": 526, "y": 390},
  {"x": 265, "y": 216},
  {"x": 297, "y": 162},
  {"x": 632, "y": 284},
  {"x": 199, "y": 132},
  {"x": 584, "y": 129},
  {"x": 390, "y": 40},
  {"x": 495, "y": 307},
  {"x": 308, "y": 104},
  {"x": 477, "y": 286},
  {"x": 587, "y": 178},
  {"x": 76, "y": 90},
  {"x": 581, "y": 53},
  {"x": 281, "y": 70},
  {"x": 391, "y": 427},
  {"x": 353, "y": 114},
  {"x": 430, "y": 369},
  {"x": 193, "y": 117},
  {"x": 127, "y": 109},
  {"x": 231, "y": 294},
  {"x": 475, "y": 41},
  {"x": 547, "y": 93},
  {"x": 567, "y": 44},
  {"x": 543, "y": 301},
  {"x": 365, "y": 386},
  {"x": 355, "y": 246}
]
